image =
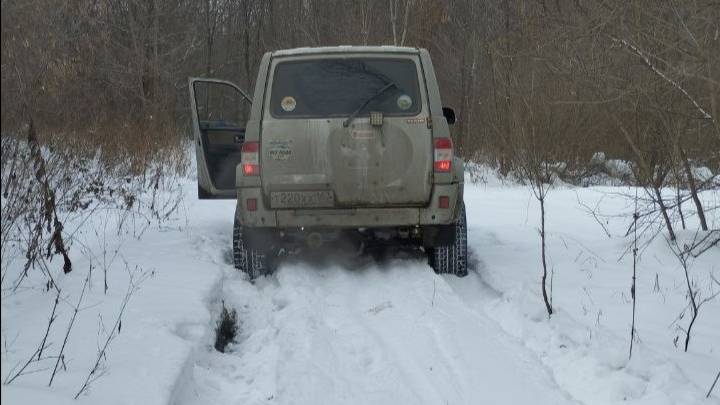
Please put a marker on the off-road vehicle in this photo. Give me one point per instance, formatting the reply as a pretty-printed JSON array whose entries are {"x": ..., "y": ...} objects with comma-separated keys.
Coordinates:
[{"x": 337, "y": 145}]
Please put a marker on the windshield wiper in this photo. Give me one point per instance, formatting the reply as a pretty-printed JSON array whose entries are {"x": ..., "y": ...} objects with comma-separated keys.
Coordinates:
[{"x": 373, "y": 97}]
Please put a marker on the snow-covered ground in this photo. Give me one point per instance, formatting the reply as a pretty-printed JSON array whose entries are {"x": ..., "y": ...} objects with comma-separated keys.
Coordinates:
[{"x": 369, "y": 332}]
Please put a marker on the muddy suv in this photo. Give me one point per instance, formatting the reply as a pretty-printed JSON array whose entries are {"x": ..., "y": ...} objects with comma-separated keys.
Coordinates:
[{"x": 341, "y": 145}]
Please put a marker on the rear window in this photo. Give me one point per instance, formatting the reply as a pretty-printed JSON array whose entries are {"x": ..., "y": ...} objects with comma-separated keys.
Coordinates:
[{"x": 337, "y": 87}]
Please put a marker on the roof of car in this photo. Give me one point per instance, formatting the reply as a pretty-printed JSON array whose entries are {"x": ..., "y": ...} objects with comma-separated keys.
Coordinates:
[{"x": 346, "y": 49}]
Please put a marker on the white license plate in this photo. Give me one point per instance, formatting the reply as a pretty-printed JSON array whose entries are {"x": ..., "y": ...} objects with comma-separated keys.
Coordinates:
[{"x": 301, "y": 199}]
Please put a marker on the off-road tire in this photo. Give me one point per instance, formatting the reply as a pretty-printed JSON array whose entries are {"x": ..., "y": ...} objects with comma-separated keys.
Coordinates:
[
  {"x": 452, "y": 259},
  {"x": 254, "y": 262}
]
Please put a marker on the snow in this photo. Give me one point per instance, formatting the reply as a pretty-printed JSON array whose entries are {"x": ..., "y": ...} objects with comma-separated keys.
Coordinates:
[
  {"x": 391, "y": 332},
  {"x": 373, "y": 335},
  {"x": 585, "y": 343}
]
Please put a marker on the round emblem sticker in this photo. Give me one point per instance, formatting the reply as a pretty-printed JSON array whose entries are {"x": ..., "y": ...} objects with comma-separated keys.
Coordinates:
[
  {"x": 288, "y": 104},
  {"x": 404, "y": 102}
]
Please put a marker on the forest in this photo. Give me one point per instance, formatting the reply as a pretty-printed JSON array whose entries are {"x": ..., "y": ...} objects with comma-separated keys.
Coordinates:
[{"x": 634, "y": 80}]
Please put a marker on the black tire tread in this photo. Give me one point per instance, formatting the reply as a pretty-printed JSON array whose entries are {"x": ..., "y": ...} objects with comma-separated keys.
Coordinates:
[
  {"x": 253, "y": 262},
  {"x": 452, "y": 259}
]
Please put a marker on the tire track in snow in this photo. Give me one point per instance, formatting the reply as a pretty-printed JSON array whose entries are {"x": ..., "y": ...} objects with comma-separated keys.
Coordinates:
[
  {"x": 395, "y": 333},
  {"x": 200, "y": 334}
]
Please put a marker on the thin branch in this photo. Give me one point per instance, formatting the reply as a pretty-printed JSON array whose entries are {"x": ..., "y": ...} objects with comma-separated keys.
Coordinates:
[
  {"x": 665, "y": 77},
  {"x": 92, "y": 375},
  {"x": 72, "y": 321},
  {"x": 713, "y": 385}
]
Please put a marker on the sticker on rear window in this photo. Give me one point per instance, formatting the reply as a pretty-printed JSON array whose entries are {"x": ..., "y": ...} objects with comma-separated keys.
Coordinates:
[
  {"x": 288, "y": 103},
  {"x": 404, "y": 102}
]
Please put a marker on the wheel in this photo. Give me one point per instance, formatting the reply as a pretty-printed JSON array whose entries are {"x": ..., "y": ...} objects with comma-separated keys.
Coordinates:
[
  {"x": 452, "y": 259},
  {"x": 254, "y": 262}
]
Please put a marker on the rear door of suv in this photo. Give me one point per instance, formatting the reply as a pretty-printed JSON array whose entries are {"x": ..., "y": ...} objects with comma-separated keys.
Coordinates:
[{"x": 313, "y": 156}]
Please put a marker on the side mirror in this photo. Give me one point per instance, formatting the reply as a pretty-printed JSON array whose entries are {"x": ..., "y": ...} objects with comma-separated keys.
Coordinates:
[{"x": 449, "y": 114}]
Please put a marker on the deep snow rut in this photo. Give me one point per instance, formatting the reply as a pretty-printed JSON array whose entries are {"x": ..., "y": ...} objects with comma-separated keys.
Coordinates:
[{"x": 395, "y": 334}]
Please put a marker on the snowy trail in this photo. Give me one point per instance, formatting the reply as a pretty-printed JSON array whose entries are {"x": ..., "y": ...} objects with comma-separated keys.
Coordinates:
[{"x": 391, "y": 333}]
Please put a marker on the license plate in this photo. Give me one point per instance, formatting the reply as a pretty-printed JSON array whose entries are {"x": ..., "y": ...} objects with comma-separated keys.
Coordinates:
[{"x": 301, "y": 199}]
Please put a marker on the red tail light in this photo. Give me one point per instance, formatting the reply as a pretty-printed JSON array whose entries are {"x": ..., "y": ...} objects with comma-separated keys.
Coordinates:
[
  {"x": 443, "y": 155},
  {"x": 250, "y": 158}
]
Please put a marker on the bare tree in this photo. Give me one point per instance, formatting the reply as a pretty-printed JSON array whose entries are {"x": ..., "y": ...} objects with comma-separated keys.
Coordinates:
[
  {"x": 684, "y": 255},
  {"x": 400, "y": 31},
  {"x": 633, "y": 291}
]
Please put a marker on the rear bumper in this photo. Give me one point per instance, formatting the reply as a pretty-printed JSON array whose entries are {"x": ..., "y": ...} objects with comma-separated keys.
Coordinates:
[{"x": 263, "y": 216}]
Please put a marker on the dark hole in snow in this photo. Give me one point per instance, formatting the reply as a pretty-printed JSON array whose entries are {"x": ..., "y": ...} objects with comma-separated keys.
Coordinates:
[{"x": 226, "y": 329}]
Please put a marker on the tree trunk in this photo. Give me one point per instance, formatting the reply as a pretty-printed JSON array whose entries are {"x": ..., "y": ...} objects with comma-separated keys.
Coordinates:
[
  {"x": 663, "y": 210},
  {"x": 544, "y": 261},
  {"x": 393, "y": 19},
  {"x": 634, "y": 275},
  {"x": 692, "y": 294},
  {"x": 679, "y": 205},
  {"x": 693, "y": 190}
]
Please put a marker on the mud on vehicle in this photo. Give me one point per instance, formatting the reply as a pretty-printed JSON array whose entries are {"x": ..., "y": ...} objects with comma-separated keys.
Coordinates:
[{"x": 341, "y": 145}]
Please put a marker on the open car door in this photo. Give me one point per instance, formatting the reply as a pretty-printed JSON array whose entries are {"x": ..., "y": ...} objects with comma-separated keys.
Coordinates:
[{"x": 220, "y": 111}]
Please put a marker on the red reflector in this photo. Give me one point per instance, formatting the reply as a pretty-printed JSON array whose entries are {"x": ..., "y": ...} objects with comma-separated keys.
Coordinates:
[
  {"x": 442, "y": 166},
  {"x": 251, "y": 204},
  {"x": 251, "y": 170},
  {"x": 444, "y": 201}
]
